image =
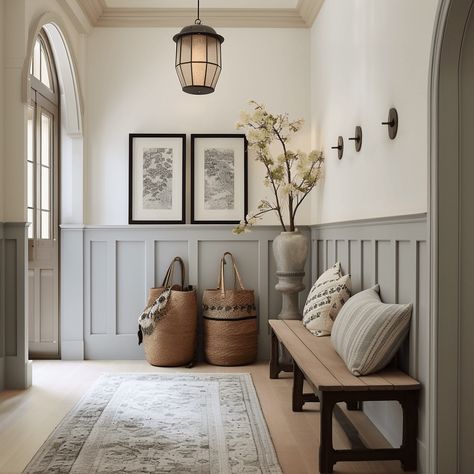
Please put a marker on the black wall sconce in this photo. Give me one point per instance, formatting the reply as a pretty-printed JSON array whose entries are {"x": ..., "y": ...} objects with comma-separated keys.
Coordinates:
[
  {"x": 392, "y": 123},
  {"x": 357, "y": 138},
  {"x": 339, "y": 147}
]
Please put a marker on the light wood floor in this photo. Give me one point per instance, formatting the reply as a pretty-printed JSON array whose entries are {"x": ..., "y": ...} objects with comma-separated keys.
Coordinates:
[{"x": 28, "y": 417}]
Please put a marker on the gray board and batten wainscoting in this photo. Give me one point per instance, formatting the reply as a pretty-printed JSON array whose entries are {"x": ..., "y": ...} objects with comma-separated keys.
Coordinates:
[
  {"x": 393, "y": 252},
  {"x": 106, "y": 272}
]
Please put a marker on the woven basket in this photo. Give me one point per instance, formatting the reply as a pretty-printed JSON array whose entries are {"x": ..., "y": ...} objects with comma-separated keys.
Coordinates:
[
  {"x": 230, "y": 322},
  {"x": 173, "y": 340}
]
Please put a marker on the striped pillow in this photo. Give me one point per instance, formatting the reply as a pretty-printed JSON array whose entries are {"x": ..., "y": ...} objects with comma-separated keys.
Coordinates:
[
  {"x": 325, "y": 299},
  {"x": 367, "y": 333}
]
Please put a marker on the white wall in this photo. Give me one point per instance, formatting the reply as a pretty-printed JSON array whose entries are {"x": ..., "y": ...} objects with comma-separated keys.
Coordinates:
[
  {"x": 368, "y": 56},
  {"x": 132, "y": 86}
]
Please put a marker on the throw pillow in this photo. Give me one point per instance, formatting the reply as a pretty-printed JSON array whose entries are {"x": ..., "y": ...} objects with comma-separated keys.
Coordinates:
[
  {"x": 367, "y": 333},
  {"x": 328, "y": 294}
]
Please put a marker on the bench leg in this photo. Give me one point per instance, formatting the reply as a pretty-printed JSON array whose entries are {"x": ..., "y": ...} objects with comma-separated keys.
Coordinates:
[
  {"x": 275, "y": 368},
  {"x": 298, "y": 381},
  {"x": 410, "y": 431},
  {"x": 326, "y": 450}
]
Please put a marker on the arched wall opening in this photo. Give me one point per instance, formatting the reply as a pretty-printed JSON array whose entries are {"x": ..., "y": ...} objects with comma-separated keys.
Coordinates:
[
  {"x": 451, "y": 224},
  {"x": 71, "y": 173}
]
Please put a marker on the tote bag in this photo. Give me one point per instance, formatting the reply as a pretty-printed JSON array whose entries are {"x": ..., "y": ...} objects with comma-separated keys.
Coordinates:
[
  {"x": 168, "y": 324},
  {"x": 229, "y": 321}
]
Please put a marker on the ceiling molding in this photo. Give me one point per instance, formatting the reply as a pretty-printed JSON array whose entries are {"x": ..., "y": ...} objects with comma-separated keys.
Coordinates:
[
  {"x": 77, "y": 15},
  {"x": 309, "y": 10},
  {"x": 93, "y": 9},
  {"x": 99, "y": 14},
  {"x": 218, "y": 17}
]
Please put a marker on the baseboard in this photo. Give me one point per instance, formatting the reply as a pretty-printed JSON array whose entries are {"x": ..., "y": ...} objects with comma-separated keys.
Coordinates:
[
  {"x": 422, "y": 458},
  {"x": 72, "y": 350}
]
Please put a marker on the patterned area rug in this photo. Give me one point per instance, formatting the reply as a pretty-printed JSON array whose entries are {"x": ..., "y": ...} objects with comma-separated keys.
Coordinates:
[{"x": 162, "y": 423}]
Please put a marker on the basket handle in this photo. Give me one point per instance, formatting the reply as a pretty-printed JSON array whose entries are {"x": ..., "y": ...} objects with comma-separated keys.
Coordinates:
[
  {"x": 170, "y": 273},
  {"x": 237, "y": 278}
]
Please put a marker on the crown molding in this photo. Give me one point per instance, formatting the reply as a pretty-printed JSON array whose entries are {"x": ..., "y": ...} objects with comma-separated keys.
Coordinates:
[
  {"x": 217, "y": 17},
  {"x": 77, "y": 15},
  {"x": 309, "y": 9},
  {"x": 93, "y": 9},
  {"x": 100, "y": 15}
]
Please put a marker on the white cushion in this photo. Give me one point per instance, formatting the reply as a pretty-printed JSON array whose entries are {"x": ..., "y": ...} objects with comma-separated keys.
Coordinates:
[
  {"x": 367, "y": 333},
  {"x": 330, "y": 291}
]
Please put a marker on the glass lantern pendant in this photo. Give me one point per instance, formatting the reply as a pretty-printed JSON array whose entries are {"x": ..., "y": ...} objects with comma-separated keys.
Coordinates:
[{"x": 198, "y": 57}]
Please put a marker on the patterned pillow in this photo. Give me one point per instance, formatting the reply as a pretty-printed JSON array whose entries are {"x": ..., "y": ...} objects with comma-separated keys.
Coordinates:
[
  {"x": 325, "y": 299},
  {"x": 367, "y": 333}
]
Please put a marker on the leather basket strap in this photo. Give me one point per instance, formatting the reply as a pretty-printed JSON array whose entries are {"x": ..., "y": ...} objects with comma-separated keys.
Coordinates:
[
  {"x": 237, "y": 278},
  {"x": 168, "y": 280}
]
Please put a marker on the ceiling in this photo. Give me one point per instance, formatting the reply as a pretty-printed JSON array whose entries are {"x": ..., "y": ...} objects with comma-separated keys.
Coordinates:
[{"x": 232, "y": 13}]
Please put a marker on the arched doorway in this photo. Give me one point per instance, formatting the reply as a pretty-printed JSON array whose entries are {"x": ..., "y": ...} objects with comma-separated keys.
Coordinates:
[
  {"x": 452, "y": 236},
  {"x": 70, "y": 166},
  {"x": 43, "y": 202}
]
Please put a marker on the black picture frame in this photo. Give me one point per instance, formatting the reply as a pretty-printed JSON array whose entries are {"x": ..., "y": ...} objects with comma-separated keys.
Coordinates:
[
  {"x": 141, "y": 215},
  {"x": 198, "y": 214}
]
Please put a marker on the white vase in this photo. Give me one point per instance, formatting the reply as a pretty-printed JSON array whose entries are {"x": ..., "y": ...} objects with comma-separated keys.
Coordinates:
[{"x": 290, "y": 250}]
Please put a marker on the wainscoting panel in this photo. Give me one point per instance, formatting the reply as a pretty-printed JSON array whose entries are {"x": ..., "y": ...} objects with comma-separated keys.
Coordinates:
[
  {"x": 99, "y": 288},
  {"x": 15, "y": 369},
  {"x": 11, "y": 297},
  {"x": 394, "y": 253},
  {"x": 120, "y": 264},
  {"x": 131, "y": 288}
]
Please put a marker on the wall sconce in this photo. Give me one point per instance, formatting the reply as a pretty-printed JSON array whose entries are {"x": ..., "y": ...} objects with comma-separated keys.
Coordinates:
[
  {"x": 357, "y": 138},
  {"x": 392, "y": 123},
  {"x": 339, "y": 147}
]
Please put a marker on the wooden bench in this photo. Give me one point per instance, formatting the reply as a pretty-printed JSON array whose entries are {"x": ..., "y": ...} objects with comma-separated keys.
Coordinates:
[{"x": 315, "y": 360}]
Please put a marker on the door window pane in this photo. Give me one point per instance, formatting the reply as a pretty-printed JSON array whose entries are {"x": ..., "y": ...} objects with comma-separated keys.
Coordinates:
[
  {"x": 45, "y": 188},
  {"x": 37, "y": 60},
  {"x": 30, "y": 220},
  {"x": 31, "y": 184},
  {"x": 45, "y": 139},
  {"x": 30, "y": 137},
  {"x": 45, "y": 79},
  {"x": 45, "y": 225}
]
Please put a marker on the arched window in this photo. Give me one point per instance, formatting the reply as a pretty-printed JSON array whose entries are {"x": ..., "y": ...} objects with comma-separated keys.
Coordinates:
[{"x": 42, "y": 142}]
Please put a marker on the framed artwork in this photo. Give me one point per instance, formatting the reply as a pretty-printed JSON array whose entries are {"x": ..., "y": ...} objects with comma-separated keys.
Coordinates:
[
  {"x": 219, "y": 178},
  {"x": 157, "y": 178}
]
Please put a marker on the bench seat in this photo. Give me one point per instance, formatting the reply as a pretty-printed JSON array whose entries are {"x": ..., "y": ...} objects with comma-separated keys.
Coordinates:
[{"x": 316, "y": 361}]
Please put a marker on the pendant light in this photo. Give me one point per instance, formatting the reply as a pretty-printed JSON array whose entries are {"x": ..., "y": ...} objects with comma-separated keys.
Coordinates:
[{"x": 198, "y": 57}]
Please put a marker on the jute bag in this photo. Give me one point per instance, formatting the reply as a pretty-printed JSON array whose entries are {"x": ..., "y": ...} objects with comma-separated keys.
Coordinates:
[
  {"x": 230, "y": 322},
  {"x": 169, "y": 323}
]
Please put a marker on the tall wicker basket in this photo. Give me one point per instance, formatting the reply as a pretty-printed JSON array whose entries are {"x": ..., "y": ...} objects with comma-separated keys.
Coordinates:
[
  {"x": 230, "y": 322},
  {"x": 173, "y": 340}
]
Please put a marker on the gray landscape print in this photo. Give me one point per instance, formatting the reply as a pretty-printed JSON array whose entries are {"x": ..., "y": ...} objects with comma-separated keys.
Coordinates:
[
  {"x": 157, "y": 178},
  {"x": 219, "y": 172}
]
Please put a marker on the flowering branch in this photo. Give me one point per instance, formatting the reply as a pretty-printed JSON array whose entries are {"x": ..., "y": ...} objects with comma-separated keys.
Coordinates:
[{"x": 291, "y": 176}]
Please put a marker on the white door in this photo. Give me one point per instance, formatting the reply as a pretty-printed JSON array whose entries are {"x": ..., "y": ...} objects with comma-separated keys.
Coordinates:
[{"x": 42, "y": 200}]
